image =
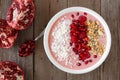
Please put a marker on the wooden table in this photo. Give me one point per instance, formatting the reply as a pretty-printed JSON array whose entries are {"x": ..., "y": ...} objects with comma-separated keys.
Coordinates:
[{"x": 38, "y": 67}]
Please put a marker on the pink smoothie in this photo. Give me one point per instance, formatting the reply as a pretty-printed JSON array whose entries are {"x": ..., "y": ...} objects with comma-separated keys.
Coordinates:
[{"x": 59, "y": 39}]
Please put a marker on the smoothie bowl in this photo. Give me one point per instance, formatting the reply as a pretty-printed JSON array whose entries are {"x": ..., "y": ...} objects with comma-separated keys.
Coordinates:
[{"x": 77, "y": 40}]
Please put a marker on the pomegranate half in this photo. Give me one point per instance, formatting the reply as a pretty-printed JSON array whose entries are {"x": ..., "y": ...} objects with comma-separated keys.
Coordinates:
[
  {"x": 10, "y": 71},
  {"x": 21, "y": 14}
]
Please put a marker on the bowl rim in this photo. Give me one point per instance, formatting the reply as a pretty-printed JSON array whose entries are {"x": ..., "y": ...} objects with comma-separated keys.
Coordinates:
[{"x": 75, "y": 9}]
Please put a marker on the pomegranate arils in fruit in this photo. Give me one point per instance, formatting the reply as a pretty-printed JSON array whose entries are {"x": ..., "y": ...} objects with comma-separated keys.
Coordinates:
[
  {"x": 26, "y": 48},
  {"x": 8, "y": 35},
  {"x": 10, "y": 71},
  {"x": 21, "y": 14},
  {"x": 79, "y": 38}
]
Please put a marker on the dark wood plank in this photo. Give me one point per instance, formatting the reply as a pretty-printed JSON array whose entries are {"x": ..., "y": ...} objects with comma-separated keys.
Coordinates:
[
  {"x": 95, "y": 5},
  {"x": 56, "y": 6},
  {"x": 41, "y": 63},
  {"x": 43, "y": 68},
  {"x": 92, "y": 4},
  {"x": 4, "y": 4},
  {"x": 110, "y": 10},
  {"x": 12, "y": 53}
]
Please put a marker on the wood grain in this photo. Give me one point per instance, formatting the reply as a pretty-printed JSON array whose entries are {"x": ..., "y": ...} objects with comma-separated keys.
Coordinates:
[
  {"x": 110, "y": 10},
  {"x": 42, "y": 66},
  {"x": 38, "y": 67}
]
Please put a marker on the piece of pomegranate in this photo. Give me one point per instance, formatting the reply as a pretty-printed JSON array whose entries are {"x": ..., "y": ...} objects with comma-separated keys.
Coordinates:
[
  {"x": 21, "y": 14},
  {"x": 8, "y": 35},
  {"x": 10, "y": 71},
  {"x": 27, "y": 48}
]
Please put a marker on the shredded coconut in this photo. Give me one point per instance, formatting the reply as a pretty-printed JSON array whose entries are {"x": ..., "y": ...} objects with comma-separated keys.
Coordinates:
[{"x": 61, "y": 40}]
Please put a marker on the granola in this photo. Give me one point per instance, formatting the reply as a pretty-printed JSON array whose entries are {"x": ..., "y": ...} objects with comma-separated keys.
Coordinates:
[{"x": 94, "y": 32}]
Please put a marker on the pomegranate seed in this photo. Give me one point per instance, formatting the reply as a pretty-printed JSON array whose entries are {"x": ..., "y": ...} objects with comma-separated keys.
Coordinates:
[
  {"x": 79, "y": 46},
  {"x": 95, "y": 56},
  {"x": 73, "y": 26},
  {"x": 86, "y": 62},
  {"x": 75, "y": 34},
  {"x": 77, "y": 13},
  {"x": 73, "y": 39},
  {"x": 83, "y": 28},
  {"x": 82, "y": 35},
  {"x": 90, "y": 60},
  {"x": 73, "y": 31},
  {"x": 88, "y": 48},
  {"x": 82, "y": 19},
  {"x": 71, "y": 43},
  {"x": 72, "y": 16},
  {"x": 75, "y": 22},
  {"x": 78, "y": 64},
  {"x": 86, "y": 39},
  {"x": 75, "y": 50},
  {"x": 85, "y": 13}
]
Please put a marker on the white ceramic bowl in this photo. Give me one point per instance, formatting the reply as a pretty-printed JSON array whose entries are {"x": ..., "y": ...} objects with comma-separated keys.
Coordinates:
[{"x": 75, "y": 9}]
